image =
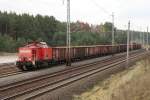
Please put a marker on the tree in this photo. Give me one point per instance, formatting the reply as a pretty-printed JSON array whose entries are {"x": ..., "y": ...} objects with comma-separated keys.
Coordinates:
[{"x": 107, "y": 27}]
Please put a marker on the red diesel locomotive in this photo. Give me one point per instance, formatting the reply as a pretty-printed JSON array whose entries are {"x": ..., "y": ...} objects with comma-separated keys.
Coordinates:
[{"x": 39, "y": 54}]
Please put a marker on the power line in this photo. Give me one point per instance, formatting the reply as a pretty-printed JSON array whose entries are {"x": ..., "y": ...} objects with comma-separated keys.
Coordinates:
[{"x": 100, "y": 7}]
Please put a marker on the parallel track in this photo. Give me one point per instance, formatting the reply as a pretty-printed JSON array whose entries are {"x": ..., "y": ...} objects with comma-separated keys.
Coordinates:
[
  {"x": 74, "y": 68},
  {"x": 27, "y": 87},
  {"x": 11, "y": 73},
  {"x": 6, "y": 64},
  {"x": 72, "y": 79},
  {"x": 8, "y": 69}
]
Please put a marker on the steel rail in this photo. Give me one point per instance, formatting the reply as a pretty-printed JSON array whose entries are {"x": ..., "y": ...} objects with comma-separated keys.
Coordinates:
[
  {"x": 8, "y": 86},
  {"x": 61, "y": 80},
  {"x": 75, "y": 78}
]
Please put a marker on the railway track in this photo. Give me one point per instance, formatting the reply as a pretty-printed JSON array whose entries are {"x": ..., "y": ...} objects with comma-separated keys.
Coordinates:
[
  {"x": 8, "y": 69},
  {"x": 34, "y": 87},
  {"x": 6, "y": 64},
  {"x": 2, "y": 75}
]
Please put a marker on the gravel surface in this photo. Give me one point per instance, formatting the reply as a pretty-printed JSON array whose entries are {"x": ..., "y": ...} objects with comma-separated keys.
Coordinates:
[
  {"x": 8, "y": 59},
  {"x": 78, "y": 87},
  {"x": 32, "y": 74},
  {"x": 24, "y": 76}
]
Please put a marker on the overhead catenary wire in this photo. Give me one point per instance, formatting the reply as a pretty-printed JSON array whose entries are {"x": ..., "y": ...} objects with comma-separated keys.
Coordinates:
[
  {"x": 112, "y": 15},
  {"x": 100, "y": 7}
]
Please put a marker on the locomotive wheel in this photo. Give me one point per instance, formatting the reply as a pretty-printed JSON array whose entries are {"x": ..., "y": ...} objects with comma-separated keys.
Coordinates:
[
  {"x": 37, "y": 65},
  {"x": 24, "y": 68}
]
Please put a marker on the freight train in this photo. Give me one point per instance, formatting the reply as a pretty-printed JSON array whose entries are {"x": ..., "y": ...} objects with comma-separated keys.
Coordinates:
[{"x": 38, "y": 54}]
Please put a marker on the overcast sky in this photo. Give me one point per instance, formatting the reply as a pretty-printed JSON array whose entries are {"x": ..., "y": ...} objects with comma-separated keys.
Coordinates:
[{"x": 91, "y": 11}]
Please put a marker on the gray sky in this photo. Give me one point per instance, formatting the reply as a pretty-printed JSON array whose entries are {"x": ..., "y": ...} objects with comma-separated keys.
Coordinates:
[{"x": 91, "y": 11}]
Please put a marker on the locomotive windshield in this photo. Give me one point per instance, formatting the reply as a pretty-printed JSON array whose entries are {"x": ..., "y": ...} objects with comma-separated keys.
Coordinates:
[{"x": 25, "y": 54}]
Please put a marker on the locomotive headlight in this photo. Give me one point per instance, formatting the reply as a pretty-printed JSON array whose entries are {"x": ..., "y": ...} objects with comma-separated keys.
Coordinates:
[
  {"x": 29, "y": 59},
  {"x": 20, "y": 59}
]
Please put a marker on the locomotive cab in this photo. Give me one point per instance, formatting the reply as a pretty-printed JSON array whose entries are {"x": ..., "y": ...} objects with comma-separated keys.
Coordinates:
[
  {"x": 26, "y": 58},
  {"x": 34, "y": 55}
]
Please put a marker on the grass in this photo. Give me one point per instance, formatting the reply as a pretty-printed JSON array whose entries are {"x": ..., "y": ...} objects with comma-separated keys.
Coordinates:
[{"x": 131, "y": 84}]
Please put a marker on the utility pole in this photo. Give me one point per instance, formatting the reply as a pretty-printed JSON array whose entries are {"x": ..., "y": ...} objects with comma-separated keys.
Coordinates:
[
  {"x": 143, "y": 39},
  {"x": 147, "y": 39},
  {"x": 113, "y": 40},
  {"x": 131, "y": 39},
  {"x": 68, "y": 58},
  {"x": 128, "y": 41}
]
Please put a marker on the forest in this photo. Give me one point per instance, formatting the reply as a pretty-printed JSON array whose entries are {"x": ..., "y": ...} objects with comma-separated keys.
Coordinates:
[{"x": 18, "y": 29}]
